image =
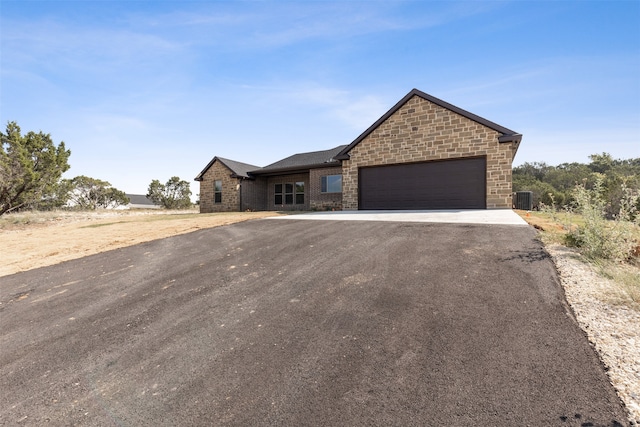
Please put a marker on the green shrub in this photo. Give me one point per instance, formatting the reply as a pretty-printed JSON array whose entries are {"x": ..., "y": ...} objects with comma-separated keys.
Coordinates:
[{"x": 600, "y": 238}]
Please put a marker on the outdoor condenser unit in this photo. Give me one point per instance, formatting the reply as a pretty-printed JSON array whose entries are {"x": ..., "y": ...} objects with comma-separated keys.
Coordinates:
[{"x": 524, "y": 200}]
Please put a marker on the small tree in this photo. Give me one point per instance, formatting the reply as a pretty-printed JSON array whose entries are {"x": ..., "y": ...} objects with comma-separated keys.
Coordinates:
[
  {"x": 90, "y": 193},
  {"x": 599, "y": 237},
  {"x": 56, "y": 199},
  {"x": 30, "y": 167},
  {"x": 175, "y": 194}
]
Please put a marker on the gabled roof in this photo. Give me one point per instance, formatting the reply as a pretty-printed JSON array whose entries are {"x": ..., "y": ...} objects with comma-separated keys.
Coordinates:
[
  {"x": 311, "y": 160},
  {"x": 238, "y": 169},
  {"x": 507, "y": 134},
  {"x": 139, "y": 199}
]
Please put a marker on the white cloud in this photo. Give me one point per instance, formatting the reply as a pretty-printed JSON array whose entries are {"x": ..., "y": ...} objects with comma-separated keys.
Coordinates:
[
  {"x": 361, "y": 112},
  {"x": 270, "y": 25},
  {"x": 356, "y": 110},
  {"x": 68, "y": 51}
]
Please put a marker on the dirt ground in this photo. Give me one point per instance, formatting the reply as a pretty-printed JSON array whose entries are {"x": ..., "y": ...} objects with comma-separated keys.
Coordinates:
[{"x": 33, "y": 240}]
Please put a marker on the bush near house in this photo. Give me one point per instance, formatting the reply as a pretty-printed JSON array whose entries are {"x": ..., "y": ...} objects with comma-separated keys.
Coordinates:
[
  {"x": 597, "y": 237},
  {"x": 610, "y": 246}
]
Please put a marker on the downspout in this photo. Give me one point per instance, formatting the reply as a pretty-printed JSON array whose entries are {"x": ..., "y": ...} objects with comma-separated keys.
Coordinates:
[{"x": 240, "y": 190}]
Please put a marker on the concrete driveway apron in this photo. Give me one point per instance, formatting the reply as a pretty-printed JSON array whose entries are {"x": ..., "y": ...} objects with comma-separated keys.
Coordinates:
[
  {"x": 468, "y": 216},
  {"x": 298, "y": 322}
]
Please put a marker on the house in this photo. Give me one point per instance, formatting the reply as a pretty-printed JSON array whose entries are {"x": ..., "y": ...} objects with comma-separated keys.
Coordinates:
[
  {"x": 140, "y": 201},
  {"x": 423, "y": 153}
]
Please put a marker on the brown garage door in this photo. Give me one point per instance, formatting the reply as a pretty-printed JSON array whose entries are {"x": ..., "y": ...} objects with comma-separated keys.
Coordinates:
[{"x": 447, "y": 184}]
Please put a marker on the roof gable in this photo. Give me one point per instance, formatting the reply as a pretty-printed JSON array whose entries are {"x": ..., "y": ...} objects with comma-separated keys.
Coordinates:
[
  {"x": 507, "y": 134},
  {"x": 237, "y": 169}
]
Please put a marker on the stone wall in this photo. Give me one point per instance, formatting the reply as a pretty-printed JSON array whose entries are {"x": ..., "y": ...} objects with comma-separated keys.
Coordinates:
[
  {"x": 230, "y": 193},
  {"x": 423, "y": 131}
]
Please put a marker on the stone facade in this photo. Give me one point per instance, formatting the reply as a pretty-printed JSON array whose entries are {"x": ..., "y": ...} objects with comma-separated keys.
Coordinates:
[
  {"x": 230, "y": 190},
  {"x": 422, "y": 131},
  {"x": 420, "y": 128}
]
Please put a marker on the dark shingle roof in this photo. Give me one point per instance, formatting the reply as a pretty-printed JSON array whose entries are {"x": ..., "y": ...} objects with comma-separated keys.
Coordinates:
[
  {"x": 303, "y": 161},
  {"x": 139, "y": 199},
  {"x": 238, "y": 169},
  {"x": 310, "y": 160}
]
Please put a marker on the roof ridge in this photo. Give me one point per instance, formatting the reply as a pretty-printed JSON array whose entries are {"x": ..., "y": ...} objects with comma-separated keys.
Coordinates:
[
  {"x": 508, "y": 135},
  {"x": 338, "y": 148},
  {"x": 239, "y": 169},
  {"x": 235, "y": 161}
]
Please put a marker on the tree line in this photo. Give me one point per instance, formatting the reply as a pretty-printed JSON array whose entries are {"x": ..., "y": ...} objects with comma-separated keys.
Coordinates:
[
  {"x": 32, "y": 165},
  {"x": 555, "y": 185},
  {"x": 31, "y": 169}
]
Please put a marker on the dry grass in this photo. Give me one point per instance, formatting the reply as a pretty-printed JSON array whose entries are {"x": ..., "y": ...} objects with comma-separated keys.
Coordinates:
[
  {"x": 39, "y": 239},
  {"x": 625, "y": 277},
  {"x": 31, "y": 219},
  {"x": 554, "y": 227}
]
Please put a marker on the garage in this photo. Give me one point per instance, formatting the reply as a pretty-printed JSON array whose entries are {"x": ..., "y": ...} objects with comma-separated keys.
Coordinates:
[{"x": 446, "y": 184}]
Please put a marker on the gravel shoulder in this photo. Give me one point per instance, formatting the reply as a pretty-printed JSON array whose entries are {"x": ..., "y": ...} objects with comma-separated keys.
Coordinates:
[{"x": 613, "y": 329}]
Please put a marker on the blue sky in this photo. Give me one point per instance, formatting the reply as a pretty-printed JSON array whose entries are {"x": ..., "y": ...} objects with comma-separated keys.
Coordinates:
[{"x": 144, "y": 90}]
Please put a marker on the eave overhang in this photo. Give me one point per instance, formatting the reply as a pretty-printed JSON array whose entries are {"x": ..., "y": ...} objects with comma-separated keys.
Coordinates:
[
  {"x": 293, "y": 169},
  {"x": 516, "y": 137}
]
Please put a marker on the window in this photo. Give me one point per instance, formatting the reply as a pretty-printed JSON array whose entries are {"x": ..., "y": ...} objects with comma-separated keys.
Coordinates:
[
  {"x": 289, "y": 193},
  {"x": 217, "y": 191},
  {"x": 299, "y": 193},
  {"x": 331, "y": 184}
]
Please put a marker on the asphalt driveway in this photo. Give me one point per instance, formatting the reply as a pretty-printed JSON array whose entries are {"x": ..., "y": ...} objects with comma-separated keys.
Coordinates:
[{"x": 302, "y": 323}]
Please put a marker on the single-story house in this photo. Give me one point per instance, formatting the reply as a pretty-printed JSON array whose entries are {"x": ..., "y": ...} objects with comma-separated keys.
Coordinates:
[
  {"x": 423, "y": 153},
  {"x": 140, "y": 201}
]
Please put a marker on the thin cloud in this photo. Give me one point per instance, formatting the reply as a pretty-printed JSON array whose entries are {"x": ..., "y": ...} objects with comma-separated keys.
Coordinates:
[
  {"x": 256, "y": 81},
  {"x": 54, "y": 44},
  {"x": 273, "y": 25},
  {"x": 355, "y": 110}
]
